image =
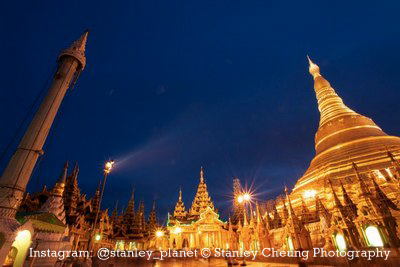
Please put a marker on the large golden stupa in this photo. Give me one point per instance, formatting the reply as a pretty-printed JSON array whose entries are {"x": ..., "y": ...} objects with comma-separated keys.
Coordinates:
[{"x": 344, "y": 137}]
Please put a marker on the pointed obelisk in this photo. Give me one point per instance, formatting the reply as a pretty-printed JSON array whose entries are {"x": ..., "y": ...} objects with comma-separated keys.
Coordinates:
[{"x": 18, "y": 171}]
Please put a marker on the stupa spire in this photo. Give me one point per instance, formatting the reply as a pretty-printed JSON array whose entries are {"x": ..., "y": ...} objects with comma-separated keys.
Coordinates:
[
  {"x": 338, "y": 204},
  {"x": 381, "y": 196},
  {"x": 201, "y": 175},
  {"x": 338, "y": 123},
  {"x": 291, "y": 212},
  {"x": 347, "y": 200},
  {"x": 330, "y": 104},
  {"x": 58, "y": 188},
  {"x": 114, "y": 214},
  {"x": 313, "y": 68},
  {"x": 363, "y": 186}
]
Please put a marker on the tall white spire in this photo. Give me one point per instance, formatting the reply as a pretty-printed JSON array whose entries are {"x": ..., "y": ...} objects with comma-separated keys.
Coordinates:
[{"x": 19, "y": 169}]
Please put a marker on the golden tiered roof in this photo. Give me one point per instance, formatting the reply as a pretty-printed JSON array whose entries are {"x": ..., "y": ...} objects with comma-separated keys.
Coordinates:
[
  {"x": 180, "y": 211},
  {"x": 202, "y": 199},
  {"x": 343, "y": 137}
]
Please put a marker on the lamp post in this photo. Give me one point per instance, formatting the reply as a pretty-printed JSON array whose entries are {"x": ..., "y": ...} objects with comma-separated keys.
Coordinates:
[
  {"x": 245, "y": 198},
  {"x": 107, "y": 169},
  {"x": 159, "y": 238}
]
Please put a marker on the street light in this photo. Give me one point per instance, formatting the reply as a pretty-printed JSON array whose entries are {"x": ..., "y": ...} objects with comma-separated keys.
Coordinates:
[
  {"x": 246, "y": 196},
  {"x": 159, "y": 233},
  {"x": 107, "y": 169},
  {"x": 108, "y": 166}
]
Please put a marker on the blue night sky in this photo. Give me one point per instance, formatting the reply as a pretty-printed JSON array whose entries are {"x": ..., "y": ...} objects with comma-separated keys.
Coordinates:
[{"x": 173, "y": 85}]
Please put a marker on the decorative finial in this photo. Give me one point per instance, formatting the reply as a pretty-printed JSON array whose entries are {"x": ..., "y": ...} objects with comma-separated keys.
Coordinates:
[
  {"x": 63, "y": 175},
  {"x": 313, "y": 68},
  {"x": 133, "y": 193},
  {"x": 180, "y": 194},
  {"x": 201, "y": 175},
  {"x": 77, "y": 49}
]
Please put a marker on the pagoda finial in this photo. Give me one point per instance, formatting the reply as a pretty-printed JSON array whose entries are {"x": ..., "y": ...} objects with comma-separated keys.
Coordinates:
[
  {"x": 133, "y": 194},
  {"x": 291, "y": 212},
  {"x": 335, "y": 197},
  {"x": 58, "y": 188},
  {"x": 75, "y": 171},
  {"x": 363, "y": 186},
  {"x": 63, "y": 175},
  {"x": 381, "y": 196},
  {"x": 180, "y": 194},
  {"x": 201, "y": 175},
  {"x": 77, "y": 49},
  {"x": 347, "y": 200},
  {"x": 313, "y": 68}
]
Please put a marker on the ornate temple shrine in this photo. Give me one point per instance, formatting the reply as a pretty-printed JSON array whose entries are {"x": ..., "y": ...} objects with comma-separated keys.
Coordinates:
[{"x": 200, "y": 226}]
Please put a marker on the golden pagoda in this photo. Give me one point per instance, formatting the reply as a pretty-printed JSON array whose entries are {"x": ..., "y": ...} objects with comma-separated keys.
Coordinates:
[
  {"x": 202, "y": 199},
  {"x": 345, "y": 137},
  {"x": 199, "y": 227}
]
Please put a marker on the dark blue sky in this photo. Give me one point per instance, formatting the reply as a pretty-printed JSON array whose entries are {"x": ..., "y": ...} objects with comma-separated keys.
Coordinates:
[{"x": 173, "y": 85}]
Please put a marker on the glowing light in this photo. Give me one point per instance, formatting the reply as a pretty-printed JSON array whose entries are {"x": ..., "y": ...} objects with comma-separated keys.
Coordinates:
[
  {"x": 108, "y": 166},
  {"x": 373, "y": 236},
  {"x": 23, "y": 236},
  {"x": 309, "y": 193},
  {"x": 159, "y": 233},
  {"x": 97, "y": 237},
  {"x": 178, "y": 230},
  {"x": 340, "y": 242},
  {"x": 240, "y": 199},
  {"x": 246, "y": 197}
]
